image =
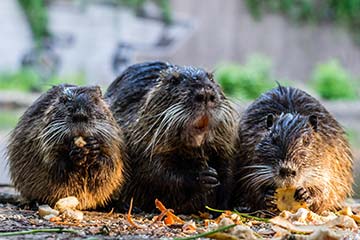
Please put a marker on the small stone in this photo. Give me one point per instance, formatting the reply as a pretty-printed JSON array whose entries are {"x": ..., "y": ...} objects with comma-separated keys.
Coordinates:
[
  {"x": 66, "y": 203},
  {"x": 45, "y": 210},
  {"x": 243, "y": 232}
]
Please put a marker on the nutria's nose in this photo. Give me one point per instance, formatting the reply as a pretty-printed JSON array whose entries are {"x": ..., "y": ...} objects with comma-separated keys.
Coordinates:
[
  {"x": 205, "y": 95},
  {"x": 79, "y": 115},
  {"x": 287, "y": 172}
]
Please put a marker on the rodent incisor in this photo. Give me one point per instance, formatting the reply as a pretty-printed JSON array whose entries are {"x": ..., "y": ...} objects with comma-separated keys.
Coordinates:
[
  {"x": 287, "y": 138},
  {"x": 67, "y": 143},
  {"x": 180, "y": 131}
]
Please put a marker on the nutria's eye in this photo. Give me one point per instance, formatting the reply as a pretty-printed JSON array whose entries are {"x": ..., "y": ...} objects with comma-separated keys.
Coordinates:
[
  {"x": 70, "y": 108},
  {"x": 175, "y": 79},
  {"x": 64, "y": 99},
  {"x": 269, "y": 121},
  {"x": 96, "y": 100},
  {"x": 210, "y": 76},
  {"x": 313, "y": 122}
]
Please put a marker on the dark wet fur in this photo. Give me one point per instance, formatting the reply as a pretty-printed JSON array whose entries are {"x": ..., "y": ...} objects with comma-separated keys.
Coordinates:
[
  {"x": 287, "y": 138},
  {"x": 46, "y": 165},
  {"x": 156, "y": 104}
]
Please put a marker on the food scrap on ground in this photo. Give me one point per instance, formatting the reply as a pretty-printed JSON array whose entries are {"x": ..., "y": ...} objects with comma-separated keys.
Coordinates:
[
  {"x": 65, "y": 209},
  {"x": 285, "y": 200}
]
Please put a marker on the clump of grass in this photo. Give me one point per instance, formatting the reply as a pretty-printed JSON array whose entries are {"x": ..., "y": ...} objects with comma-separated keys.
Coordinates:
[
  {"x": 28, "y": 80},
  {"x": 246, "y": 81},
  {"x": 332, "y": 82},
  {"x": 23, "y": 80}
]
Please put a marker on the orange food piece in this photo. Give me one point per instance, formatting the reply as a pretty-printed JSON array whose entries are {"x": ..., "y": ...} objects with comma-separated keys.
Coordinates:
[
  {"x": 79, "y": 141},
  {"x": 171, "y": 218},
  {"x": 285, "y": 200},
  {"x": 129, "y": 218}
]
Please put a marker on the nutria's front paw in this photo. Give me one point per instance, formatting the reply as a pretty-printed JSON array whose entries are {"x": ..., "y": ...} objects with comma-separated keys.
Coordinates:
[
  {"x": 93, "y": 147},
  {"x": 78, "y": 155},
  {"x": 208, "y": 179},
  {"x": 301, "y": 194},
  {"x": 270, "y": 200}
]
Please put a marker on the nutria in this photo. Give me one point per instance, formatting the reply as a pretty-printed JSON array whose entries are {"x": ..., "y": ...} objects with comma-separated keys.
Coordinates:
[
  {"x": 67, "y": 143},
  {"x": 180, "y": 131},
  {"x": 287, "y": 138}
]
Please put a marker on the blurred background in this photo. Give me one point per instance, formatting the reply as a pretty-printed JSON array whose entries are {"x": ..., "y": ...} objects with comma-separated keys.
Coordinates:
[{"x": 249, "y": 44}]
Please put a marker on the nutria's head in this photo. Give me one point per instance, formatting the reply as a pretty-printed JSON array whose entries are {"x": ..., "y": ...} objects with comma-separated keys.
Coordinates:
[
  {"x": 288, "y": 153},
  {"x": 77, "y": 111},
  {"x": 186, "y": 108}
]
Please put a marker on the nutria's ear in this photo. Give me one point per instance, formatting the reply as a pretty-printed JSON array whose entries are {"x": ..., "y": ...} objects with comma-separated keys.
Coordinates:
[
  {"x": 313, "y": 120},
  {"x": 269, "y": 120},
  {"x": 97, "y": 90}
]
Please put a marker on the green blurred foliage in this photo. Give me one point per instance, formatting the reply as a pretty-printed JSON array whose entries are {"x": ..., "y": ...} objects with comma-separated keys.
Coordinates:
[
  {"x": 28, "y": 80},
  {"x": 343, "y": 12},
  {"x": 353, "y": 137},
  {"x": 77, "y": 79},
  {"x": 246, "y": 81},
  {"x": 332, "y": 82},
  {"x": 36, "y": 13},
  {"x": 23, "y": 80},
  {"x": 8, "y": 119}
]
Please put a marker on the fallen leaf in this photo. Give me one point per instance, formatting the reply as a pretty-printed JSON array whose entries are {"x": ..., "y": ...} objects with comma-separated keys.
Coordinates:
[{"x": 189, "y": 227}]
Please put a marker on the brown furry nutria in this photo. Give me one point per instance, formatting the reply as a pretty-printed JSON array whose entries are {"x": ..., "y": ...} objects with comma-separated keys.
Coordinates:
[
  {"x": 180, "y": 131},
  {"x": 67, "y": 143},
  {"x": 287, "y": 138}
]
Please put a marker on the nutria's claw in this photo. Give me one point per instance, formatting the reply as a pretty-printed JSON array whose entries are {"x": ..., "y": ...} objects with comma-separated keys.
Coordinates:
[
  {"x": 92, "y": 143},
  {"x": 208, "y": 179},
  {"x": 77, "y": 155},
  {"x": 301, "y": 194},
  {"x": 93, "y": 146},
  {"x": 270, "y": 200}
]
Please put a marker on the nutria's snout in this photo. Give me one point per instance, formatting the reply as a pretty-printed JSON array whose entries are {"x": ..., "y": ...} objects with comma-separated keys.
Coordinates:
[
  {"x": 79, "y": 115},
  {"x": 206, "y": 96},
  {"x": 285, "y": 172},
  {"x": 287, "y": 176},
  {"x": 81, "y": 109}
]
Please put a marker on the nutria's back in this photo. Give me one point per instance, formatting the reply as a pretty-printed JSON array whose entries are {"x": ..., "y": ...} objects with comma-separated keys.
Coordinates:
[
  {"x": 180, "y": 133},
  {"x": 127, "y": 93},
  {"x": 67, "y": 143},
  {"x": 287, "y": 138}
]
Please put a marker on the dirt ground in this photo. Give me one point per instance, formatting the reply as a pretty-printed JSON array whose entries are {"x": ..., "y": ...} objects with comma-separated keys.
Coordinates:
[{"x": 15, "y": 218}]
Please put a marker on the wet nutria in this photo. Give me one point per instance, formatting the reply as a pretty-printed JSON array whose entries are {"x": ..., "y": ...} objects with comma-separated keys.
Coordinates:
[
  {"x": 180, "y": 131},
  {"x": 287, "y": 138},
  {"x": 67, "y": 143}
]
